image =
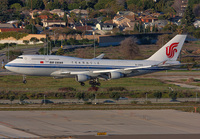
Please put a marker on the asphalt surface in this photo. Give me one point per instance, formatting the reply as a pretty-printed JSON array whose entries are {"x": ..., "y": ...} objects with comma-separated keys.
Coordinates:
[{"x": 82, "y": 124}]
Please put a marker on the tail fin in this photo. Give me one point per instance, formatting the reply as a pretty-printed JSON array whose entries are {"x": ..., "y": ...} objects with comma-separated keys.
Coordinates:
[{"x": 170, "y": 51}]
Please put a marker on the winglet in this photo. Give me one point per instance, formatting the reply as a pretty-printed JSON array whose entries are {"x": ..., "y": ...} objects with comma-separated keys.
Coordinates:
[{"x": 100, "y": 56}]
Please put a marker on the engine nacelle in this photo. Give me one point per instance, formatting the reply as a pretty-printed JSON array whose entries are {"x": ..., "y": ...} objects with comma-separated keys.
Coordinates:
[
  {"x": 116, "y": 75},
  {"x": 82, "y": 78}
]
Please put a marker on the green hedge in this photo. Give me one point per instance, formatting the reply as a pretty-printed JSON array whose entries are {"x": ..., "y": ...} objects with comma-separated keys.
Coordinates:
[{"x": 16, "y": 35}]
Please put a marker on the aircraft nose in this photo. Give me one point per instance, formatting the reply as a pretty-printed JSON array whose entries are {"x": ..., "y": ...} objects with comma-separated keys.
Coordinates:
[{"x": 7, "y": 66}]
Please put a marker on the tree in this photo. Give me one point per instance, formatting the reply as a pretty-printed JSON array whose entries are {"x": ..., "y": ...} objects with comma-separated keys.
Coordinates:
[
  {"x": 3, "y": 6},
  {"x": 91, "y": 96},
  {"x": 31, "y": 29},
  {"x": 45, "y": 2},
  {"x": 16, "y": 6},
  {"x": 64, "y": 6},
  {"x": 35, "y": 4},
  {"x": 26, "y": 42},
  {"x": 157, "y": 95},
  {"x": 34, "y": 40},
  {"x": 23, "y": 97},
  {"x": 12, "y": 97},
  {"x": 196, "y": 10},
  {"x": 65, "y": 19},
  {"x": 129, "y": 49},
  {"x": 188, "y": 17},
  {"x": 73, "y": 41},
  {"x": 78, "y": 95},
  {"x": 60, "y": 52},
  {"x": 173, "y": 95}
]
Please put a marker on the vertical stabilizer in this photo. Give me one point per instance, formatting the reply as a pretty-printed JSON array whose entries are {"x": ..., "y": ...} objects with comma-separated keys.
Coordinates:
[{"x": 170, "y": 51}]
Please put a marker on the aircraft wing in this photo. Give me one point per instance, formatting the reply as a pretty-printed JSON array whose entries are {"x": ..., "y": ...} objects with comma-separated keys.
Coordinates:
[
  {"x": 125, "y": 70},
  {"x": 108, "y": 71}
]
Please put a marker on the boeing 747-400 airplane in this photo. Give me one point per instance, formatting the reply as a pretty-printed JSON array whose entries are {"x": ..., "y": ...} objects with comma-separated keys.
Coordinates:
[{"x": 97, "y": 68}]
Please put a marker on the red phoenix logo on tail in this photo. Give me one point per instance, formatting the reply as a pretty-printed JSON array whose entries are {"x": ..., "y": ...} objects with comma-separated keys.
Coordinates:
[{"x": 171, "y": 50}]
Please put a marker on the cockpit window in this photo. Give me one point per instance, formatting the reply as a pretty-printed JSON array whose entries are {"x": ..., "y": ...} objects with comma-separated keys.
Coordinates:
[{"x": 19, "y": 57}]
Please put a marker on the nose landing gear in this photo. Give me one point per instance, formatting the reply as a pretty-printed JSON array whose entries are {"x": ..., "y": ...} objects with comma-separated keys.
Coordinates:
[{"x": 24, "y": 79}]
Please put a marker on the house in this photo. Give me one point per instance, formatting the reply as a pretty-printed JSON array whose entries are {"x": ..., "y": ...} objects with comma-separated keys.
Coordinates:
[
  {"x": 10, "y": 29},
  {"x": 39, "y": 29},
  {"x": 34, "y": 12},
  {"x": 83, "y": 13},
  {"x": 125, "y": 22},
  {"x": 161, "y": 23},
  {"x": 43, "y": 17},
  {"x": 130, "y": 13},
  {"x": 6, "y": 25},
  {"x": 180, "y": 7},
  {"x": 89, "y": 22},
  {"x": 53, "y": 22},
  {"x": 104, "y": 26},
  {"x": 86, "y": 29},
  {"x": 197, "y": 24},
  {"x": 148, "y": 19},
  {"x": 13, "y": 21},
  {"x": 59, "y": 12}
]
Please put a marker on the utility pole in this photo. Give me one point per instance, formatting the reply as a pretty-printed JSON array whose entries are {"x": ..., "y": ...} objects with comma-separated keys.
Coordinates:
[
  {"x": 94, "y": 43},
  {"x": 31, "y": 5}
]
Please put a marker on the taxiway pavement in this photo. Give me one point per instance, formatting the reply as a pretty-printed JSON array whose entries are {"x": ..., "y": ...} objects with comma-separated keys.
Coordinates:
[{"x": 82, "y": 123}]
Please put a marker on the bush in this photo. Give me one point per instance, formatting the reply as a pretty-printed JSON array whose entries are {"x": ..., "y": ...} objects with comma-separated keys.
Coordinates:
[
  {"x": 147, "y": 102},
  {"x": 87, "y": 103},
  {"x": 115, "y": 95},
  {"x": 116, "y": 89},
  {"x": 66, "y": 89}
]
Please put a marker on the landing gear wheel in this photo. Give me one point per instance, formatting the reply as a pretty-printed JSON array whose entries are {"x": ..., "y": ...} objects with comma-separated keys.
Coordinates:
[
  {"x": 98, "y": 84},
  {"x": 82, "y": 83},
  {"x": 94, "y": 83},
  {"x": 24, "y": 81}
]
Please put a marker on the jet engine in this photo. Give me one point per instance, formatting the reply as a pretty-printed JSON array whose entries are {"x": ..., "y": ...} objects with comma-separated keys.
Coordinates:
[
  {"x": 116, "y": 75},
  {"x": 82, "y": 78}
]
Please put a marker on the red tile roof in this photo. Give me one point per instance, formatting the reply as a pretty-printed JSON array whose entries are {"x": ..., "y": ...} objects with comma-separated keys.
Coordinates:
[
  {"x": 83, "y": 28},
  {"x": 10, "y": 29}
]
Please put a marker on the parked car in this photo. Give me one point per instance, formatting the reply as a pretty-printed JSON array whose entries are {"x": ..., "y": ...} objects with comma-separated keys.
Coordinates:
[
  {"x": 46, "y": 101},
  {"x": 108, "y": 101}
]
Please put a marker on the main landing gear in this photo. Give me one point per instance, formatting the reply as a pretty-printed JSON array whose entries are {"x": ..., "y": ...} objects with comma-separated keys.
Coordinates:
[
  {"x": 24, "y": 79},
  {"x": 82, "y": 83},
  {"x": 93, "y": 83}
]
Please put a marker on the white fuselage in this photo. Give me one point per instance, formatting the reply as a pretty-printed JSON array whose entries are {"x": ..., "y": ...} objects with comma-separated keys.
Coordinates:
[{"x": 50, "y": 65}]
